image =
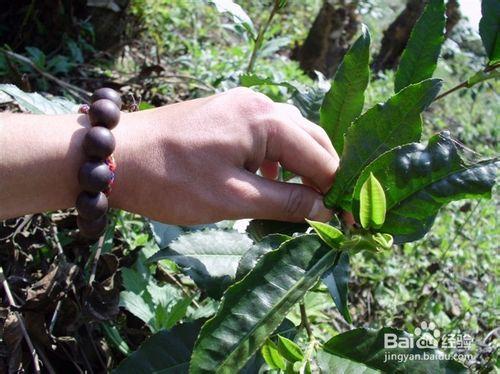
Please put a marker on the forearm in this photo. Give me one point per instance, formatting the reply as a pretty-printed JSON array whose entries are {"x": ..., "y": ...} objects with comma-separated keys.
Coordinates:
[
  {"x": 40, "y": 157},
  {"x": 39, "y": 161},
  {"x": 186, "y": 163}
]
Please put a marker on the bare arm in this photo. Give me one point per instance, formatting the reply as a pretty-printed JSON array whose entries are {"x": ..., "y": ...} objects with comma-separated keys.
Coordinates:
[{"x": 187, "y": 163}]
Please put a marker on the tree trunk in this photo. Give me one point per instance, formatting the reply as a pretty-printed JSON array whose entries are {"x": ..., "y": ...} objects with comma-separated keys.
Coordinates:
[
  {"x": 397, "y": 34},
  {"x": 328, "y": 39}
]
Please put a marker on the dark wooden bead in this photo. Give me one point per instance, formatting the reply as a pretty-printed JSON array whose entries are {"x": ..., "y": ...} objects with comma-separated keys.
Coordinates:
[
  {"x": 99, "y": 143},
  {"x": 94, "y": 176},
  {"x": 91, "y": 206},
  {"x": 104, "y": 113},
  {"x": 92, "y": 229},
  {"x": 107, "y": 93}
]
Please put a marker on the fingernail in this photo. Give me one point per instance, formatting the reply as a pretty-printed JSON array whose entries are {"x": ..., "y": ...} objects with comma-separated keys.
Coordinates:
[{"x": 319, "y": 212}]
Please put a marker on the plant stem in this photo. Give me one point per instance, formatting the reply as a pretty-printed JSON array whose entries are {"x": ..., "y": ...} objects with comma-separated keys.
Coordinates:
[
  {"x": 260, "y": 37},
  {"x": 19, "y": 317},
  {"x": 304, "y": 320},
  {"x": 82, "y": 94},
  {"x": 465, "y": 84},
  {"x": 96, "y": 258}
]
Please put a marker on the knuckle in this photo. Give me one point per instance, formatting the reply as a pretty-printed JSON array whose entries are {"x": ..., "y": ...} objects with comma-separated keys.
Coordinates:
[
  {"x": 296, "y": 203},
  {"x": 293, "y": 110},
  {"x": 254, "y": 102},
  {"x": 322, "y": 131}
]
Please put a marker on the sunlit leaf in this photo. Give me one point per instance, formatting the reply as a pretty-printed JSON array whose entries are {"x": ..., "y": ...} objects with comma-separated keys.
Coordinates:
[
  {"x": 289, "y": 349},
  {"x": 489, "y": 28},
  {"x": 372, "y": 205},
  {"x": 250, "y": 258},
  {"x": 37, "y": 104},
  {"x": 418, "y": 180},
  {"x": 344, "y": 101},
  {"x": 210, "y": 257},
  {"x": 381, "y": 128},
  {"x": 252, "y": 308},
  {"x": 271, "y": 355},
  {"x": 329, "y": 234},
  {"x": 419, "y": 59}
]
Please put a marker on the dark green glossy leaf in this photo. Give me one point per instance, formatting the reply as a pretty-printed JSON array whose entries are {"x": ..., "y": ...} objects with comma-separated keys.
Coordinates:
[
  {"x": 329, "y": 363},
  {"x": 367, "y": 347},
  {"x": 289, "y": 349},
  {"x": 308, "y": 101},
  {"x": 252, "y": 308},
  {"x": 344, "y": 101},
  {"x": 337, "y": 280},
  {"x": 381, "y": 128},
  {"x": 489, "y": 28},
  {"x": 372, "y": 206},
  {"x": 272, "y": 356},
  {"x": 259, "y": 228},
  {"x": 209, "y": 257},
  {"x": 419, "y": 59},
  {"x": 165, "y": 352},
  {"x": 252, "y": 256},
  {"x": 419, "y": 180}
]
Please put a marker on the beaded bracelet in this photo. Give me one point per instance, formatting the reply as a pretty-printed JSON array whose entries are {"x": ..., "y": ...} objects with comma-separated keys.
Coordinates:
[{"x": 97, "y": 174}]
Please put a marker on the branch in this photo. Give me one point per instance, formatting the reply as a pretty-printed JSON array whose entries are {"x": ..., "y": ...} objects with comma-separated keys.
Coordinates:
[
  {"x": 260, "y": 37},
  {"x": 96, "y": 258},
  {"x": 19, "y": 317},
  {"x": 76, "y": 90},
  {"x": 304, "y": 320},
  {"x": 475, "y": 79}
]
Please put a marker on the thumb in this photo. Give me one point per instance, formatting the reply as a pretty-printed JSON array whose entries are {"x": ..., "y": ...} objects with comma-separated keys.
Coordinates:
[{"x": 269, "y": 199}]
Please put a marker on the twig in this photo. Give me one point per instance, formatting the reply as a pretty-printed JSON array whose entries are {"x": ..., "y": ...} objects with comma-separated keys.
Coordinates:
[
  {"x": 25, "y": 220},
  {"x": 19, "y": 317},
  {"x": 260, "y": 37},
  {"x": 96, "y": 259},
  {"x": 76, "y": 90},
  {"x": 46, "y": 362},
  {"x": 465, "y": 84},
  {"x": 304, "y": 320},
  {"x": 59, "y": 248},
  {"x": 54, "y": 316},
  {"x": 179, "y": 284},
  {"x": 493, "y": 332}
]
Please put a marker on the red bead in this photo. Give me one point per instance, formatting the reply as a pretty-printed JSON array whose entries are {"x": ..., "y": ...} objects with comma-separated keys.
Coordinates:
[
  {"x": 107, "y": 93},
  {"x": 91, "y": 206},
  {"x": 99, "y": 143},
  {"x": 104, "y": 113},
  {"x": 94, "y": 176},
  {"x": 92, "y": 229}
]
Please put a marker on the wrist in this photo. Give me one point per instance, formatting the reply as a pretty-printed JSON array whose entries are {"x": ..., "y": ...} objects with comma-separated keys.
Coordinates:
[{"x": 127, "y": 159}]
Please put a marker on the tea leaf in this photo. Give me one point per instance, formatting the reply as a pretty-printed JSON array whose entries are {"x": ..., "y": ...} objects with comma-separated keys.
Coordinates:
[
  {"x": 372, "y": 203},
  {"x": 489, "y": 28}
]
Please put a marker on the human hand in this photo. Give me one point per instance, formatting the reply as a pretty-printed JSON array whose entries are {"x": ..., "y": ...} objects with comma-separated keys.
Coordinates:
[{"x": 195, "y": 162}]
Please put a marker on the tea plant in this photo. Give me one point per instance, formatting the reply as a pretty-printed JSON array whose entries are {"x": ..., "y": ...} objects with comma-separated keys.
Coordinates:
[{"x": 393, "y": 184}]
